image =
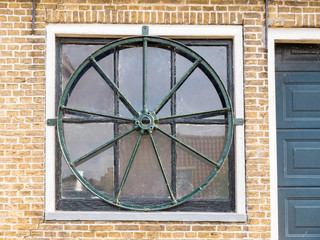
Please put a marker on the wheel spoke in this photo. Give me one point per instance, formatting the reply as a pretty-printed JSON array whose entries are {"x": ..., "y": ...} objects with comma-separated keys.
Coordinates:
[
  {"x": 126, "y": 173},
  {"x": 96, "y": 114},
  {"x": 107, "y": 144},
  {"x": 81, "y": 120},
  {"x": 198, "y": 114},
  {"x": 190, "y": 148},
  {"x": 145, "y": 79},
  {"x": 113, "y": 86},
  {"x": 162, "y": 169},
  {"x": 177, "y": 85},
  {"x": 196, "y": 121}
]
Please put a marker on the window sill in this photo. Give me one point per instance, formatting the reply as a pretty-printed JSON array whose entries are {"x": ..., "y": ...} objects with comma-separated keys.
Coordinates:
[{"x": 147, "y": 216}]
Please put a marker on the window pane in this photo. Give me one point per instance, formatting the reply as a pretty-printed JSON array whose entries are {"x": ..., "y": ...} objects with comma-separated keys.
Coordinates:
[
  {"x": 97, "y": 169},
  {"x": 92, "y": 93},
  {"x": 130, "y": 75},
  {"x": 159, "y": 74},
  {"x": 145, "y": 179},
  {"x": 216, "y": 56},
  {"x": 72, "y": 55},
  {"x": 197, "y": 94},
  {"x": 219, "y": 187},
  {"x": 206, "y": 139}
]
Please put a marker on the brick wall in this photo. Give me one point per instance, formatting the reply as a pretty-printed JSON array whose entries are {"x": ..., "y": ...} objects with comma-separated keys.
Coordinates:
[{"x": 22, "y": 109}]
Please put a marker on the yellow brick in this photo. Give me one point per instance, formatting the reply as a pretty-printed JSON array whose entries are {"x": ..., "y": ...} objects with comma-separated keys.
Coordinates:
[
  {"x": 152, "y": 227},
  {"x": 178, "y": 228},
  {"x": 126, "y": 227},
  {"x": 139, "y": 235},
  {"x": 153, "y": 235},
  {"x": 64, "y": 234},
  {"x": 111, "y": 234},
  {"x": 203, "y": 234}
]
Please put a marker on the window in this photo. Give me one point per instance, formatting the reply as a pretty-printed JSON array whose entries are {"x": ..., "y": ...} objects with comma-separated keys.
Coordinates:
[{"x": 165, "y": 168}]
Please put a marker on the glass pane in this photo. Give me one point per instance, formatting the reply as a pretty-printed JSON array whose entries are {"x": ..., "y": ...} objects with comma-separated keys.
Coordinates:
[
  {"x": 72, "y": 56},
  {"x": 158, "y": 70},
  {"x": 130, "y": 75},
  {"x": 83, "y": 138},
  {"x": 96, "y": 169},
  {"x": 70, "y": 186},
  {"x": 206, "y": 139},
  {"x": 216, "y": 56},
  {"x": 145, "y": 179},
  {"x": 126, "y": 146},
  {"x": 197, "y": 94},
  {"x": 99, "y": 171},
  {"x": 107, "y": 64},
  {"x": 190, "y": 171},
  {"x": 92, "y": 93},
  {"x": 182, "y": 66},
  {"x": 123, "y": 111},
  {"x": 164, "y": 146},
  {"x": 219, "y": 187}
]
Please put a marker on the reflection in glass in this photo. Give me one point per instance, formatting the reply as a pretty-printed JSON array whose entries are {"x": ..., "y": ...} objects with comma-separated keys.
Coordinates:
[
  {"x": 96, "y": 169},
  {"x": 165, "y": 150},
  {"x": 145, "y": 179},
  {"x": 130, "y": 75},
  {"x": 197, "y": 94},
  {"x": 92, "y": 93},
  {"x": 98, "y": 172},
  {"x": 182, "y": 66},
  {"x": 70, "y": 186},
  {"x": 158, "y": 73},
  {"x": 190, "y": 169},
  {"x": 83, "y": 138},
  {"x": 72, "y": 56},
  {"x": 207, "y": 139},
  {"x": 216, "y": 56},
  {"x": 219, "y": 187},
  {"x": 210, "y": 141}
]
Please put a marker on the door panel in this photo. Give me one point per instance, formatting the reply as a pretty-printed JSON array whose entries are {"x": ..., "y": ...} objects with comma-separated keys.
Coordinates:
[
  {"x": 301, "y": 209},
  {"x": 298, "y": 140},
  {"x": 298, "y": 157},
  {"x": 298, "y": 102}
]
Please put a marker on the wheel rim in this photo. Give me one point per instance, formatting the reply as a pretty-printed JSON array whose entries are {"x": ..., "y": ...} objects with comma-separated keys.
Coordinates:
[{"x": 145, "y": 122}]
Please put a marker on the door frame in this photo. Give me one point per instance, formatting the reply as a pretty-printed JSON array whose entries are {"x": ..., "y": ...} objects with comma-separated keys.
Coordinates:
[{"x": 280, "y": 35}]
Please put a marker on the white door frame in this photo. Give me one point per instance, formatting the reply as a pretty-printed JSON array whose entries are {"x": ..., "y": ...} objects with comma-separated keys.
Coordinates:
[{"x": 280, "y": 35}]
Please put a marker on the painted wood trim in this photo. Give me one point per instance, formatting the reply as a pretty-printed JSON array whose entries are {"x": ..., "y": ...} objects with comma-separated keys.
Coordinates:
[{"x": 280, "y": 35}]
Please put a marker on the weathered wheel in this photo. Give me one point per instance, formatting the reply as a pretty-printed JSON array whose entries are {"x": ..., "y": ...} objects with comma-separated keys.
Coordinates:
[{"x": 150, "y": 127}]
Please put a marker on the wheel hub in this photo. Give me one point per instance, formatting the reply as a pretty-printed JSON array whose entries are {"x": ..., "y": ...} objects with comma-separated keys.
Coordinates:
[{"x": 145, "y": 122}]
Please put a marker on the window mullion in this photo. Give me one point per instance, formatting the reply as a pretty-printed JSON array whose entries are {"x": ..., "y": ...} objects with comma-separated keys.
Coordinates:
[
  {"x": 116, "y": 123},
  {"x": 173, "y": 124}
]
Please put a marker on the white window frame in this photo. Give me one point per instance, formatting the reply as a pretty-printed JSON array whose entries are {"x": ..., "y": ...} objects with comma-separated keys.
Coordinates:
[
  {"x": 123, "y": 30},
  {"x": 280, "y": 35}
]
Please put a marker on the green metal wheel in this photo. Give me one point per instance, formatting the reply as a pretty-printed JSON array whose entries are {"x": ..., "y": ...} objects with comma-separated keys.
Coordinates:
[{"x": 156, "y": 131}]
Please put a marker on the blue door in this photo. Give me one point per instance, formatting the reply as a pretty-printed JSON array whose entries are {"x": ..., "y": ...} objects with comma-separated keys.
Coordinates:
[{"x": 298, "y": 140}]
